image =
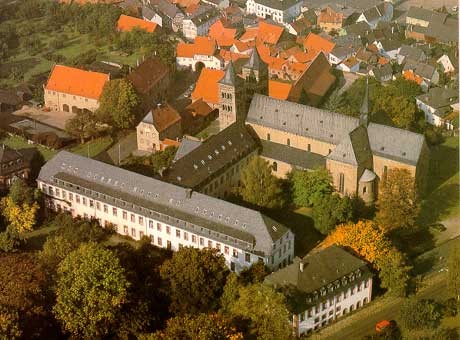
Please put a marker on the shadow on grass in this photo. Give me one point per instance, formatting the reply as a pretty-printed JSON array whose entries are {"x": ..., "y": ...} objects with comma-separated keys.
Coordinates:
[
  {"x": 439, "y": 203},
  {"x": 34, "y": 240},
  {"x": 306, "y": 236},
  {"x": 443, "y": 165}
]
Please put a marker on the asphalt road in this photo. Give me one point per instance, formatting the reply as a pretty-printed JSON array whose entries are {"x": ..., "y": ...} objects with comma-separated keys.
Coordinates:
[{"x": 363, "y": 322}]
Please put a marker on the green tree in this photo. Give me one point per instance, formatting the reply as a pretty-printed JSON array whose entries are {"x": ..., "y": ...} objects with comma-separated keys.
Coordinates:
[
  {"x": 419, "y": 314},
  {"x": 9, "y": 324},
  {"x": 394, "y": 273},
  {"x": 309, "y": 187},
  {"x": 265, "y": 311},
  {"x": 55, "y": 249},
  {"x": 196, "y": 279},
  {"x": 398, "y": 205},
  {"x": 198, "y": 327},
  {"x": 254, "y": 274},
  {"x": 401, "y": 110},
  {"x": 453, "y": 274},
  {"x": 230, "y": 293},
  {"x": 331, "y": 210},
  {"x": 91, "y": 288},
  {"x": 151, "y": 165},
  {"x": 259, "y": 186},
  {"x": 82, "y": 125},
  {"x": 118, "y": 104}
]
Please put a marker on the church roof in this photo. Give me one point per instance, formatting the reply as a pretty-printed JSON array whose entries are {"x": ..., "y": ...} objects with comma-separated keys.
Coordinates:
[{"x": 229, "y": 76}]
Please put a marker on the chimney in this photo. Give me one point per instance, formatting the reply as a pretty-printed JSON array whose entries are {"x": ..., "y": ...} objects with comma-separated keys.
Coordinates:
[
  {"x": 188, "y": 193},
  {"x": 301, "y": 266}
]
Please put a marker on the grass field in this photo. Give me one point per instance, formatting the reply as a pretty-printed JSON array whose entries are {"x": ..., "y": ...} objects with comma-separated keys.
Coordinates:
[{"x": 16, "y": 142}]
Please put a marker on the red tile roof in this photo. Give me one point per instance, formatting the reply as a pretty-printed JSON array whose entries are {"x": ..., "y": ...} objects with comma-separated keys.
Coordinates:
[
  {"x": 201, "y": 45},
  {"x": 76, "y": 82},
  {"x": 207, "y": 86},
  {"x": 227, "y": 55},
  {"x": 329, "y": 16},
  {"x": 264, "y": 33},
  {"x": 279, "y": 90},
  {"x": 410, "y": 75},
  {"x": 318, "y": 43},
  {"x": 224, "y": 36},
  {"x": 126, "y": 24}
]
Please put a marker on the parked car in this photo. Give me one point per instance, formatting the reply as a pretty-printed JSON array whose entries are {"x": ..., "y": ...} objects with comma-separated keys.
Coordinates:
[{"x": 385, "y": 324}]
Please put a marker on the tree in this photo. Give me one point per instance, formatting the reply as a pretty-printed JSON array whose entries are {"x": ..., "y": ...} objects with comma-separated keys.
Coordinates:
[
  {"x": 55, "y": 249},
  {"x": 397, "y": 205},
  {"x": 400, "y": 109},
  {"x": 419, "y": 314},
  {"x": 118, "y": 104},
  {"x": 310, "y": 186},
  {"x": 82, "y": 125},
  {"x": 153, "y": 164},
  {"x": 196, "y": 279},
  {"x": 331, "y": 210},
  {"x": 20, "y": 218},
  {"x": 254, "y": 274},
  {"x": 230, "y": 293},
  {"x": 21, "y": 193},
  {"x": 264, "y": 310},
  {"x": 453, "y": 274},
  {"x": 394, "y": 273},
  {"x": 9, "y": 324},
  {"x": 91, "y": 288},
  {"x": 259, "y": 186},
  {"x": 202, "y": 327}
]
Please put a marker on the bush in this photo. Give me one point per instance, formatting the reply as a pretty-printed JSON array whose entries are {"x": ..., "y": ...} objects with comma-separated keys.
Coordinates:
[
  {"x": 9, "y": 242},
  {"x": 420, "y": 314}
]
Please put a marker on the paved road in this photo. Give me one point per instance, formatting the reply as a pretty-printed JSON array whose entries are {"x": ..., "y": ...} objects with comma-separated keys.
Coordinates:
[{"x": 363, "y": 322}]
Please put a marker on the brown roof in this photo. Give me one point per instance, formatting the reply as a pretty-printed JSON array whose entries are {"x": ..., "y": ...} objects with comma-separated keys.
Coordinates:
[
  {"x": 162, "y": 117},
  {"x": 198, "y": 108},
  {"x": 147, "y": 75}
]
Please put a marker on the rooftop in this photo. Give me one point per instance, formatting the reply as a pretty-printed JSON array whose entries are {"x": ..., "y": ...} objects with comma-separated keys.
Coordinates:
[
  {"x": 148, "y": 74},
  {"x": 202, "y": 45},
  {"x": 127, "y": 23},
  {"x": 162, "y": 117},
  {"x": 278, "y": 4},
  {"x": 207, "y": 86}
]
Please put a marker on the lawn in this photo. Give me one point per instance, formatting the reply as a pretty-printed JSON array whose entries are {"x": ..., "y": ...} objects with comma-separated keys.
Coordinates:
[
  {"x": 92, "y": 148},
  {"x": 16, "y": 142},
  {"x": 302, "y": 225},
  {"x": 443, "y": 189}
]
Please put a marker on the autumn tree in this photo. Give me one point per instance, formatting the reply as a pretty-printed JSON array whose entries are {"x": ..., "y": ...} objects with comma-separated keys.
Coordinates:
[
  {"x": 401, "y": 110},
  {"x": 453, "y": 274},
  {"x": 9, "y": 324},
  {"x": 259, "y": 186},
  {"x": 83, "y": 125},
  {"x": 308, "y": 187},
  {"x": 91, "y": 288},
  {"x": 256, "y": 273},
  {"x": 398, "y": 205},
  {"x": 196, "y": 278},
  {"x": 118, "y": 104},
  {"x": 331, "y": 210},
  {"x": 264, "y": 310},
  {"x": 21, "y": 218},
  {"x": 419, "y": 314},
  {"x": 55, "y": 249},
  {"x": 201, "y": 326}
]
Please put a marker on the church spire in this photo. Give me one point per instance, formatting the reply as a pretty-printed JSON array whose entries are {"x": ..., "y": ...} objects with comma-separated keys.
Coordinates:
[
  {"x": 254, "y": 60},
  {"x": 364, "y": 112},
  {"x": 229, "y": 76}
]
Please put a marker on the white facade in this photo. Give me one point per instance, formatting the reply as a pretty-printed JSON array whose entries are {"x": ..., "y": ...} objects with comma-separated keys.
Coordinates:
[
  {"x": 156, "y": 19},
  {"x": 385, "y": 16},
  {"x": 348, "y": 68},
  {"x": 211, "y": 62},
  {"x": 446, "y": 63},
  {"x": 221, "y": 4},
  {"x": 164, "y": 231},
  {"x": 392, "y": 54},
  {"x": 334, "y": 306},
  {"x": 190, "y": 30},
  {"x": 285, "y": 16},
  {"x": 431, "y": 117}
]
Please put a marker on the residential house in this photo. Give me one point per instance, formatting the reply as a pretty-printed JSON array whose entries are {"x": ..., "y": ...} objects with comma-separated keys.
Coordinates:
[
  {"x": 14, "y": 164},
  {"x": 339, "y": 54},
  {"x": 330, "y": 20},
  {"x": 316, "y": 43},
  {"x": 170, "y": 215},
  {"x": 127, "y": 23},
  {"x": 220, "y": 4},
  {"x": 449, "y": 62},
  {"x": 197, "y": 115},
  {"x": 388, "y": 48},
  {"x": 265, "y": 32},
  {"x": 382, "y": 12},
  {"x": 225, "y": 37},
  {"x": 214, "y": 167},
  {"x": 350, "y": 65},
  {"x": 283, "y": 12},
  {"x": 300, "y": 27},
  {"x": 423, "y": 74},
  {"x": 328, "y": 283},
  {"x": 357, "y": 153},
  {"x": 171, "y": 15},
  {"x": 162, "y": 122},
  {"x": 148, "y": 14},
  {"x": 207, "y": 88},
  {"x": 202, "y": 53},
  {"x": 151, "y": 80},
  {"x": 382, "y": 73},
  {"x": 71, "y": 89},
  {"x": 199, "y": 24},
  {"x": 437, "y": 104},
  {"x": 418, "y": 16},
  {"x": 360, "y": 29},
  {"x": 406, "y": 52}
]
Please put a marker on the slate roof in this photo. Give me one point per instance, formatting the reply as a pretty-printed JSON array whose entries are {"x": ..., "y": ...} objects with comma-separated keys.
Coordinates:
[
  {"x": 359, "y": 5},
  {"x": 440, "y": 99},
  {"x": 186, "y": 146},
  {"x": 160, "y": 197},
  {"x": 290, "y": 155},
  {"x": 383, "y": 71},
  {"x": 360, "y": 28},
  {"x": 20, "y": 159},
  {"x": 278, "y": 4},
  {"x": 203, "y": 17},
  {"x": 375, "y": 12},
  {"x": 229, "y": 76},
  {"x": 148, "y": 13},
  {"x": 421, "y": 69},
  {"x": 410, "y": 52},
  {"x": 166, "y": 8},
  {"x": 198, "y": 167},
  {"x": 320, "y": 267},
  {"x": 426, "y": 15},
  {"x": 254, "y": 61}
]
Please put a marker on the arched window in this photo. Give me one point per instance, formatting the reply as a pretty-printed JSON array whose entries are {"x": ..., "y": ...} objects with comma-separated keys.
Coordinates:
[
  {"x": 288, "y": 142},
  {"x": 275, "y": 166}
]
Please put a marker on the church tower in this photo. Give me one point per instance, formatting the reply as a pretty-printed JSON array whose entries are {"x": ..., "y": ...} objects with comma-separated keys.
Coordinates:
[
  {"x": 228, "y": 105},
  {"x": 255, "y": 76}
]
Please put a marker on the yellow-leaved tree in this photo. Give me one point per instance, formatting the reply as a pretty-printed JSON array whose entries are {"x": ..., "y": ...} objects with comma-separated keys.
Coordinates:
[{"x": 20, "y": 217}]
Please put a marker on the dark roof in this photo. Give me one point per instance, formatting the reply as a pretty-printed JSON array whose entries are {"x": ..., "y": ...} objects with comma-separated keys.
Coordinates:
[
  {"x": 205, "y": 16},
  {"x": 186, "y": 146},
  {"x": 382, "y": 71},
  {"x": 422, "y": 69},
  {"x": 148, "y": 13},
  {"x": 12, "y": 160},
  {"x": 215, "y": 154},
  {"x": 254, "y": 61},
  {"x": 165, "y": 7},
  {"x": 162, "y": 117},
  {"x": 440, "y": 99},
  {"x": 229, "y": 76},
  {"x": 354, "y": 149},
  {"x": 411, "y": 52},
  {"x": 160, "y": 197},
  {"x": 278, "y": 4},
  {"x": 426, "y": 15},
  {"x": 290, "y": 155},
  {"x": 360, "y": 28},
  {"x": 146, "y": 76},
  {"x": 9, "y": 97},
  {"x": 375, "y": 12},
  {"x": 320, "y": 268},
  {"x": 390, "y": 44}
]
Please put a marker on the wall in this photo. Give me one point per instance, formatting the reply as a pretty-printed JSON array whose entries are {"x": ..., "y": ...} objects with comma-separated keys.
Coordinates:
[
  {"x": 56, "y": 101},
  {"x": 350, "y": 173},
  {"x": 148, "y": 138}
]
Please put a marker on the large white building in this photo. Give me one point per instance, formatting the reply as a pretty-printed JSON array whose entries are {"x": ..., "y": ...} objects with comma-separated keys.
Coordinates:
[
  {"x": 281, "y": 11},
  {"x": 199, "y": 24},
  {"x": 173, "y": 217},
  {"x": 329, "y": 283},
  {"x": 203, "y": 52},
  {"x": 438, "y": 105}
]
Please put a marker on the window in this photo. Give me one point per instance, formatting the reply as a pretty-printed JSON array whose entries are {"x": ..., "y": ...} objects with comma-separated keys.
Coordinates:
[
  {"x": 177, "y": 233},
  {"x": 232, "y": 266},
  {"x": 360, "y": 287},
  {"x": 70, "y": 196},
  {"x": 275, "y": 166},
  {"x": 268, "y": 136},
  {"x": 125, "y": 215},
  {"x": 366, "y": 284},
  {"x": 288, "y": 142},
  {"x": 133, "y": 232},
  {"x": 226, "y": 250},
  {"x": 235, "y": 253},
  {"x": 331, "y": 312},
  {"x": 341, "y": 182},
  {"x": 309, "y": 147},
  {"x": 91, "y": 203},
  {"x": 168, "y": 244},
  {"x": 98, "y": 206},
  {"x": 64, "y": 194},
  {"x": 302, "y": 317},
  {"x": 201, "y": 241},
  {"x": 114, "y": 211},
  {"x": 159, "y": 226},
  {"x": 84, "y": 200},
  {"x": 58, "y": 193},
  {"x": 193, "y": 238},
  {"x": 309, "y": 313},
  {"x": 209, "y": 244},
  {"x": 316, "y": 320},
  {"x": 125, "y": 229},
  {"x": 106, "y": 208},
  {"x": 218, "y": 246},
  {"x": 133, "y": 218},
  {"x": 247, "y": 257},
  {"x": 168, "y": 229},
  {"x": 159, "y": 241},
  {"x": 141, "y": 220},
  {"x": 385, "y": 171},
  {"x": 185, "y": 236}
]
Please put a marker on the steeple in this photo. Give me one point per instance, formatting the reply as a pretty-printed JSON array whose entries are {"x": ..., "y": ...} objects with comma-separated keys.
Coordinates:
[
  {"x": 364, "y": 112},
  {"x": 229, "y": 77},
  {"x": 254, "y": 60}
]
